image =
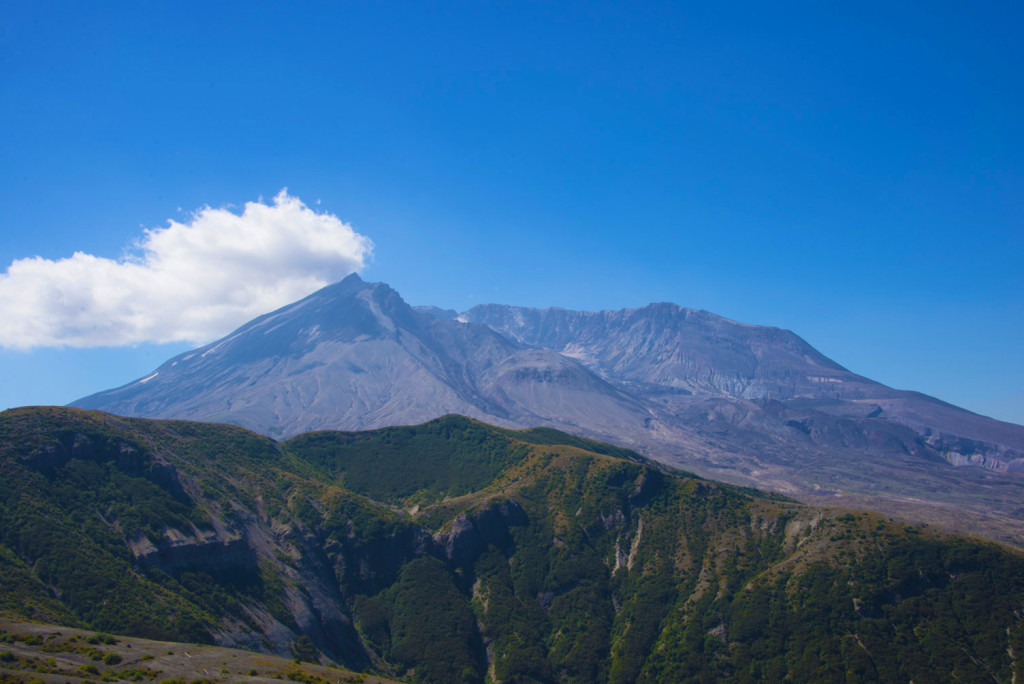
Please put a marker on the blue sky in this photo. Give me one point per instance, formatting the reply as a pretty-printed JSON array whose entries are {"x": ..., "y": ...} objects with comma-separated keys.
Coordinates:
[{"x": 851, "y": 171}]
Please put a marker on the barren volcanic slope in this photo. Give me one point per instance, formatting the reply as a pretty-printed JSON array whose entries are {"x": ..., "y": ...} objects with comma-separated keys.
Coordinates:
[
  {"x": 741, "y": 403},
  {"x": 356, "y": 356}
]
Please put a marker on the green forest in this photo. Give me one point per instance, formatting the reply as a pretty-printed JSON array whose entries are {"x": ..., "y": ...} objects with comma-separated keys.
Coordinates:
[{"x": 458, "y": 552}]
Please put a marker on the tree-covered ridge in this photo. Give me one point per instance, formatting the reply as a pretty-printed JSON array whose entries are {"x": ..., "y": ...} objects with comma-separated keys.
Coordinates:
[
  {"x": 451, "y": 456},
  {"x": 454, "y": 551}
]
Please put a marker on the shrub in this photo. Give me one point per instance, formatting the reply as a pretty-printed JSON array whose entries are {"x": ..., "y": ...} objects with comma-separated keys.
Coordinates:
[{"x": 304, "y": 649}]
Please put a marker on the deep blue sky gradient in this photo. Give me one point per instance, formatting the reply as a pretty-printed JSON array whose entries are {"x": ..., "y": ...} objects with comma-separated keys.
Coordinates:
[{"x": 851, "y": 171}]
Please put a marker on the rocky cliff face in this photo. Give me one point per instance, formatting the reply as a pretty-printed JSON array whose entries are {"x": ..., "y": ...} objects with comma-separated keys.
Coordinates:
[
  {"x": 469, "y": 535},
  {"x": 664, "y": 348}
]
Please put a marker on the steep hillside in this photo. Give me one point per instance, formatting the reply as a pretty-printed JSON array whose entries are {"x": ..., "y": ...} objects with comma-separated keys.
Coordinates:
[{"x": 454, "y": 551}]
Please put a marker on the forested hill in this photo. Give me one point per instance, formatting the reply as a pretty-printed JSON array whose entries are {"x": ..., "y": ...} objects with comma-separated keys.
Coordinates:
[{"x": 455, "y": 551}]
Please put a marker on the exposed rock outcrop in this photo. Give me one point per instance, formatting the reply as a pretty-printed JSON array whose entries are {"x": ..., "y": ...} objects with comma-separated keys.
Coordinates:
[
  {"x": 177, "y": 553},
  {"x": 470, "y": 534}
]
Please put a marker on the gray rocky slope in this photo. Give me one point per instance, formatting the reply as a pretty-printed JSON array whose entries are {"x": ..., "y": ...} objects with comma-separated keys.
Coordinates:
[{"x": 747, "y": 404}]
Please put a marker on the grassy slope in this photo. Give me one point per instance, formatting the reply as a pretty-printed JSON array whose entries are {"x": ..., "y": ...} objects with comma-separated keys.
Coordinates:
[
  {"x": 572, "y": 564},
  {"x": 50, "y": 653}
]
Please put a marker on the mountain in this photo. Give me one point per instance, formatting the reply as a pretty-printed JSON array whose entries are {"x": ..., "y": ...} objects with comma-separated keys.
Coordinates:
[
  {"x": 746, "y": 404},
  {"x": 458, "y": 551},
  {"x": 677, "y": 356},
  {"x": 356, "y": 356}
]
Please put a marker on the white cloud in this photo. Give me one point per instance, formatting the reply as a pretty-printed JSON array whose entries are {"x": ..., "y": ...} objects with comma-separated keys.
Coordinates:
[{"x": 193, "y": 281}]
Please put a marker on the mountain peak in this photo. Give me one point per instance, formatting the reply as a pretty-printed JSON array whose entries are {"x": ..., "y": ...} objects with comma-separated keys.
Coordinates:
[
  {"x": 347, "y": 286},
  {"x": 348, "y": 307}
]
